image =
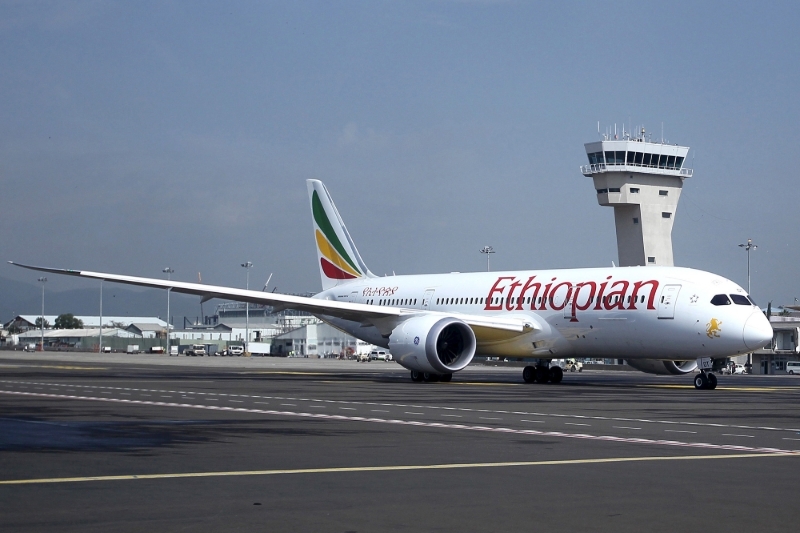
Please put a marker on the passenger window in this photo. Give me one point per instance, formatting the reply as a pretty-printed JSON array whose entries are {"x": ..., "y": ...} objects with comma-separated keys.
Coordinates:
[
  {"x": 720, "y": 299},
  {"x": 738, "y": 299}
]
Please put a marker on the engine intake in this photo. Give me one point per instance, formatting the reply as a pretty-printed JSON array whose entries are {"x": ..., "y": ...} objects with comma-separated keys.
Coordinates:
[
  {"x": 661, "y": 367},
  {"x": 435, "y": 344}
]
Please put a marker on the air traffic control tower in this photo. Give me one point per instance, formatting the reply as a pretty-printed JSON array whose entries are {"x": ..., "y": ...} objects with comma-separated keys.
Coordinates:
[{"x": 642, "y": 181}]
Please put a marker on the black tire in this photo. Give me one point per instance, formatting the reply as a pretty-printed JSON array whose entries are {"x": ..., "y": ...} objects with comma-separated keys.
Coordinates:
[
  {"x": 446, "y": 378},
  {"x": 700, "y": 381},
  {"x": 712, "y": 381},
  {"x": 572, "y": 368},
  {"x": 416, "y": 376},
  {"x": 555, "y": 374},
  {"x": 791, "y": 372},
  {"x": 529, "y": 374},
  {"x": 427, "y": 377},
  {"x": 541, "y": 374}
]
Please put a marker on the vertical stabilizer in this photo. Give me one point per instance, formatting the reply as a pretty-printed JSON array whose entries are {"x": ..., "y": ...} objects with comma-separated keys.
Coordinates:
[{"x": 339, "y": 261}]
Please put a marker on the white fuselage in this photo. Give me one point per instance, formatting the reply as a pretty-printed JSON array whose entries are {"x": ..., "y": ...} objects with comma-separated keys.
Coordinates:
[{"x": 633, "y": 312}]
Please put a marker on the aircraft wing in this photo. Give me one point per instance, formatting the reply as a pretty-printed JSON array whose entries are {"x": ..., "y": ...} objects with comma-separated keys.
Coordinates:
[{"x": 384, "y": 317}]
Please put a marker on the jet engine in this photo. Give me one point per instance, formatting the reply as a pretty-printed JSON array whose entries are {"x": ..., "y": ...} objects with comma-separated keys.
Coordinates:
[
  {"x": 433, "y": 344},
  {"x": 659, "y": 366}
]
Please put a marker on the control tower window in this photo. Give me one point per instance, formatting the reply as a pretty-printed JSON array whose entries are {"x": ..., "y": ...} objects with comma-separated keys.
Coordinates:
[
  {"x": 613, "y": 189},
  {"x": 638, "y": 159},
  {"x": 671, "y": 161},
  {"x": 602, "y": 191},
  {"x": 620, "y": 158},
  {"x": 634, "y": 190},
  {"x": 666, "y": 215},
  {"x": 651, "y": 259},
  {"x": 629, "y": 158},
  {"x": 662, "y": 161},
  {"x": 646, "y": 161},
  {"x": 610, "y": 158},
  {"x": 678, "y": 162},
  {"x": 663, "y": 193},
  {"x": 596, "y": 158},
  {"x": 720, "y": 299}
]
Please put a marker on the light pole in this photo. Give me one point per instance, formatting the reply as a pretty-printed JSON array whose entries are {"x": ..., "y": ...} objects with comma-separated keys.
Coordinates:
[
  {"x": 168, "y": 271},
  {"x": 100, "y": 350},
  {"x": 748, "y": 247},
  {"x": 43, "y": 281},
  {"x": 487, "y": 250},
  {"x": 247, "y": 267}
]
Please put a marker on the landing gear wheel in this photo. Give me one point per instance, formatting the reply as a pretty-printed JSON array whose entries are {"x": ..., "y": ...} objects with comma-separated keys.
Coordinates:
[
  {"x": 529, "y": 374},
  {"x": 427, "y": 377},
  {"x": 555, "y": 374},
  {"x": 700, "y": 381},
  {"x": 542, "y": 374},
  {"x": 416, "y": 376},
  {"x": 712, "y": 381},
  {"x": 445, "y": 378}
]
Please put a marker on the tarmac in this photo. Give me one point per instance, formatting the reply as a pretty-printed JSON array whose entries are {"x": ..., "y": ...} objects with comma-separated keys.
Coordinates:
[{"x": 112, "y": 442}]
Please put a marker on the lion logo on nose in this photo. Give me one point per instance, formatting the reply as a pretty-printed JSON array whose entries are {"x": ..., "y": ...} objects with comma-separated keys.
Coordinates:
[{"x": 713, "y": 328}]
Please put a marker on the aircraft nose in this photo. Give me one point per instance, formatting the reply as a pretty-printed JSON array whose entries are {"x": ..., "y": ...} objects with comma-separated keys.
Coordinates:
[{"x": 757, "y": 331}]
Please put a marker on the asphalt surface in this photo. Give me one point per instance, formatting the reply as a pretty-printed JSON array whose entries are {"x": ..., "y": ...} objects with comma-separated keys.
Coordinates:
[{"x": 94, "y": 442}]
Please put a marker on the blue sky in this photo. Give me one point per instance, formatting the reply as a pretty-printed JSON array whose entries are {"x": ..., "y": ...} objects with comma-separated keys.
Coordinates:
[{"x": 136, "y": 135}]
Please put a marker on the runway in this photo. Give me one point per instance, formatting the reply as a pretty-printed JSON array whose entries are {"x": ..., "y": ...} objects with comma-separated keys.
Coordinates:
[{"x": 96, "y": 442}]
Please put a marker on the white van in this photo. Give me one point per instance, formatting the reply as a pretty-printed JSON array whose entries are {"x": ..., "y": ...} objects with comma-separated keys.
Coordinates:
[
  {"x": 380, "y": 355},
  {"x": 793, "y": 367}
]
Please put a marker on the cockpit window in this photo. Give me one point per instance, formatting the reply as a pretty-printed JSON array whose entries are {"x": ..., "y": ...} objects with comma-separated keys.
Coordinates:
[
  {"x": 738, "y": 299},
  {"x": 720, "y": 299}
]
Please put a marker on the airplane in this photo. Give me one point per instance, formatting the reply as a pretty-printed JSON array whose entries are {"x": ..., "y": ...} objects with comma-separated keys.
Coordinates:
[{"x": 661, "y": 320}]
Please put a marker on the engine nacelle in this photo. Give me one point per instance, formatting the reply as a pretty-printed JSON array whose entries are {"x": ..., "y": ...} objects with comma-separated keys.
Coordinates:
[
  {"x": 659, "y": 366},
  {"x": 435, "y": 344}
]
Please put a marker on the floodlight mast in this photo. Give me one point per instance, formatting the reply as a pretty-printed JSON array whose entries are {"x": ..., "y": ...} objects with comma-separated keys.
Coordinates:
[
  {"x": 41, "y": 323},
  {"x": 247, "y": 266},
  {"x": 487, "y": 250},
  {"x": 749, "y": 246},
  {"x": 168, "y": 271}
]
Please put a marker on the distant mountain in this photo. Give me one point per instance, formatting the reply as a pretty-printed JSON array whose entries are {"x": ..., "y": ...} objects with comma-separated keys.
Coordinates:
[{"x": 18, "y": 298}]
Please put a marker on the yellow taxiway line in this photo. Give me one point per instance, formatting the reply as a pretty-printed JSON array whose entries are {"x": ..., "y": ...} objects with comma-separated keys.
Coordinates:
[{"x": 390, "y": 468}]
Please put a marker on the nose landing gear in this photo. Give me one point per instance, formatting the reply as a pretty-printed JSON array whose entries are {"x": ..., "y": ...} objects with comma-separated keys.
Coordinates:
[{"x": 705, "y": 381}]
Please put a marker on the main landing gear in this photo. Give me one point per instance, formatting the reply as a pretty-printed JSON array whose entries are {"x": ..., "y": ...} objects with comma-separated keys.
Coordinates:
[
  {"x": 705, "y": 380},
  {"x": 428, "y": 377},
  {"x": 542, "y": 374}
]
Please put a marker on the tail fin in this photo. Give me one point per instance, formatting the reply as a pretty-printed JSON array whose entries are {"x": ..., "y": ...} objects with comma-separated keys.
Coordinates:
[{"x": 338, "y": 257}]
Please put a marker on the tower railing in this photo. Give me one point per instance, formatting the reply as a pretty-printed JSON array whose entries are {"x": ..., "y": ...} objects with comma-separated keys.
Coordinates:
[{"x": 588, "y": 170}]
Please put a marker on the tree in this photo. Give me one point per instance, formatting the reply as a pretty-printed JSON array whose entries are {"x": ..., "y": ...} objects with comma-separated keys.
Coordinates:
[
  {"x": 38, "y": 323},
  {"x": 68, "y": 321}
]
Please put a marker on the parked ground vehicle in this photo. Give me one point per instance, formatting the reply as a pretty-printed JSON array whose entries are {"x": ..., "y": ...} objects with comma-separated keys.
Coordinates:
[
  {"x": 132, "y": 348},
  {"x": 569, "y": 365},
  {"x": 235, "y": 349},
  {"x": 195, "y": 349},
  {"x": 380, "y": 355},
  {"x": 793, "y": 367},
  {"x": 30, "y": 347},
  {"x": 362, "y": 358}
]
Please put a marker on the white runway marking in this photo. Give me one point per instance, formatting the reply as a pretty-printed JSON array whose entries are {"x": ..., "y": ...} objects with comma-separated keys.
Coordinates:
[{"x": 418, "y": 423}]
